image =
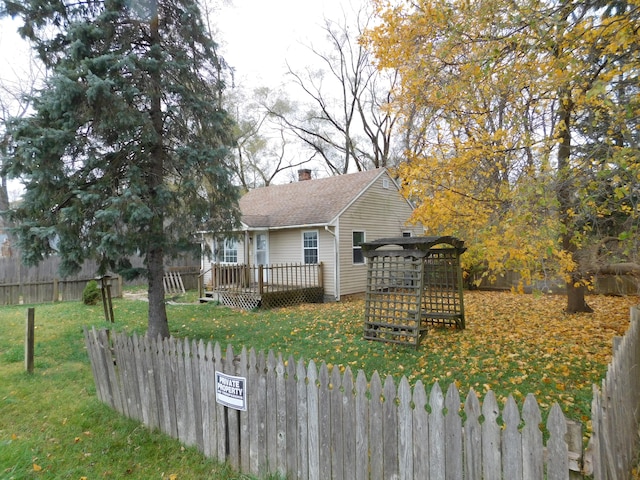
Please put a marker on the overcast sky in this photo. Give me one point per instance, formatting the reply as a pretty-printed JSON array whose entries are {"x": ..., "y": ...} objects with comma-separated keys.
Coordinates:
[{"x": 257, "y": 36}]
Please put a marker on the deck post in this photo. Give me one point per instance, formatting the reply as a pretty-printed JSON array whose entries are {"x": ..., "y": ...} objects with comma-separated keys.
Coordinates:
[
  {"x": 260, "y": 279},
  {"x": 246, "y": 275},
  {"x": 320, "y": 275}
]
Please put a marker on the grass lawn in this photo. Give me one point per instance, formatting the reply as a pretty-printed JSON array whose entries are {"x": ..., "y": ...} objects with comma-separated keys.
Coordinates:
[{"x": 52, "y": 426}]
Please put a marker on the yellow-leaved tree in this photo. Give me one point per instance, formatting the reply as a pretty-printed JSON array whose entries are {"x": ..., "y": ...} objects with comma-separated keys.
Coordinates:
[{"x": 521, "y": 125}]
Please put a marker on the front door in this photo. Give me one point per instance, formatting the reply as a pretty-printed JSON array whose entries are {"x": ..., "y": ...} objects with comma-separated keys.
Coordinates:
[{"x": 262, "y": 252}]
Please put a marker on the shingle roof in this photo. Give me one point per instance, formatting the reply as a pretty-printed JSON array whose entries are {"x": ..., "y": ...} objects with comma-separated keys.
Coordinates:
[{"x": 310, "y": 202}]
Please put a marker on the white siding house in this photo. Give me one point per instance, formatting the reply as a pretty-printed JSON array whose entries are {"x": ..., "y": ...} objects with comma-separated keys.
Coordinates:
[{"x": 322, "y": 220}]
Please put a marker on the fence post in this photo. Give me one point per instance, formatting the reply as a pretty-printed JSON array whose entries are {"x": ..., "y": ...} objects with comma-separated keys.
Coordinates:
[
  {"x": 56, "y": 290},
  {"x": 260, "y": 279},
  {"x": 574, "y": 443},
  {"x": 29, "y": 340}
]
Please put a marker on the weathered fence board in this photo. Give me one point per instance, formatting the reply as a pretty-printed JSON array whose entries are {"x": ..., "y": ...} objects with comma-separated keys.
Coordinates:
[
  {"x": 336, "y": 439},
  {"x": 405, "y": 430},
  {"x": 271, "y": 419},
  {"x": 511, "y": 441},
  {"x": 247, "y": 369},
  {"x": 389, "y": 430},
  {"x": 348, "y": 425},
  {"x": 324, "y": 425},
  {"x": 473, "y": 438},
  {"x": 558, "y": 458},
  {"x": 290, "y": 393},
  {"x": 436, "y": 434},
  {"x": 453, "y": 435},
  {"x": 312, "y": 417},
  {"x": 302, "y": 426},
  {"x": 491, "y": 449},
  {"x": 281, "y": 418},
  {"x": 420, "y": 418},
  {"x": 362, "y": 428},
  {"x": 305, "y": 422},
  {"x": 532, "y": 465},
  {"x": 375, "y": 427},
  {"x": 233, "y": 435}
]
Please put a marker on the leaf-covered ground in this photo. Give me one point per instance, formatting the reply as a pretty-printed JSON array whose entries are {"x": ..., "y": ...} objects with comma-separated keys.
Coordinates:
[{"x": 513, "y": 344}]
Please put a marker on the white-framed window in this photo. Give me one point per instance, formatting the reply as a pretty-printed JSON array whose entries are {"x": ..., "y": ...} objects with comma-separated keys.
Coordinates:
[
  {"x": 226, "y": 250},
  {"x": 357, "y": 239},
  {"x": 310, "y": 246}
]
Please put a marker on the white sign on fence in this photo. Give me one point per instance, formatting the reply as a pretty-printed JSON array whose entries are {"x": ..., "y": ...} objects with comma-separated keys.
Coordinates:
[{"x": 231, "y": 391}]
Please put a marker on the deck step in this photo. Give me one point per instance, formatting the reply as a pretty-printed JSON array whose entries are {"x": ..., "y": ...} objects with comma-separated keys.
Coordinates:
[{"x": 207, "y": 299}]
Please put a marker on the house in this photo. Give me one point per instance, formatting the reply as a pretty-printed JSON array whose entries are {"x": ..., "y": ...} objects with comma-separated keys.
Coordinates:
[{"x": 319, "y": 220}]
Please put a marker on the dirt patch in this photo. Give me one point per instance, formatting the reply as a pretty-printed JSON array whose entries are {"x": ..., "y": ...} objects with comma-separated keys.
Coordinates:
[{"x": 136, "y": 296}]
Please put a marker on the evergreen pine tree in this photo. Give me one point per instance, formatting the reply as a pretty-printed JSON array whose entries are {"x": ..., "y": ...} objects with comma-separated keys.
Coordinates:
[{"x": 126, "y": 152}]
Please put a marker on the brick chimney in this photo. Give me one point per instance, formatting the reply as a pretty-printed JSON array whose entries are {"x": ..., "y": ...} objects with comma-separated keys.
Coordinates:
[{"x": 304, "y": 174}]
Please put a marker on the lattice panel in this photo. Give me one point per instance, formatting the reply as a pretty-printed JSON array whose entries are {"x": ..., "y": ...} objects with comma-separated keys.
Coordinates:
[
  {"x": 392, "y": 299},
  {"x": 442, "y": 297},
  {"x": 245, "y": 301},
  {"x": 292, "y": 297}
]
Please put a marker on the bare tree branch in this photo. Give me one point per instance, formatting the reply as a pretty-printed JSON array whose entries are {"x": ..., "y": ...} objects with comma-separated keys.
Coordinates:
[{"x": 346, "y": 124}]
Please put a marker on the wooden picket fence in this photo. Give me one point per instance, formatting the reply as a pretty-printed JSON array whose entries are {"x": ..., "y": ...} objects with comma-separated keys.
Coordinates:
[
  {"x": 307, "y": 422},
  {"x": 615, "y": 411}
]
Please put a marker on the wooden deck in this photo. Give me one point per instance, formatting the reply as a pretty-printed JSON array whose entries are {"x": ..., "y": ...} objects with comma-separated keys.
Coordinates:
[{"x": 266, "y": 286}]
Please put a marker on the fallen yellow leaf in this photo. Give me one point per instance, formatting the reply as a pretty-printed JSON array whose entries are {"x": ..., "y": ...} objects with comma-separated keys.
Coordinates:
[{"x": 36, "y": 467}]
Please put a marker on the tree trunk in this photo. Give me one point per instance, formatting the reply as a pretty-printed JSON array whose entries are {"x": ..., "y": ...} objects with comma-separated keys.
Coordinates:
[
  {"x": 565, "y": 194},
  {"x": 4, "y": 196},
  {"x": 5, "y": 224},
  {"x": 158, "y": 324},
  {"x": 575, "y": 299}
]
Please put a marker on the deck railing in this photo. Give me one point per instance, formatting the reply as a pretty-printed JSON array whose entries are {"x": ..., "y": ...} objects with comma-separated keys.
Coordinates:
[{"x": 262, "y": 279}]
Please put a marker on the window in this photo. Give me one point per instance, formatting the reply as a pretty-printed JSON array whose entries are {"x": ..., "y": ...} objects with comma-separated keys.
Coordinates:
[
  {"x": 310, "y": 247},
  {"x": 406, "y": 234},
  {"x": 230, "y": 251},
  {"x": 358, "y": 240},
  {"x": 226, "y": 251}
]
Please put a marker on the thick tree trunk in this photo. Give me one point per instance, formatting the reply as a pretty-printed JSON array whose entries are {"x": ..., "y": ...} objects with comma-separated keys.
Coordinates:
[
  {"x": 5, "y": 224},
  {"x": 4, "y": 197},
  {"x": 158, "y": 324},
  {"x": 575, "y": 299},
  {"x": 565, "y": 194}
]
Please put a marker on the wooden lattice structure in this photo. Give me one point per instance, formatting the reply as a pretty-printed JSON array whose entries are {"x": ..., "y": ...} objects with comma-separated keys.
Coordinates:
[
  {"x": 267, "y": 286},
  {"x": 412, "y": 283}
]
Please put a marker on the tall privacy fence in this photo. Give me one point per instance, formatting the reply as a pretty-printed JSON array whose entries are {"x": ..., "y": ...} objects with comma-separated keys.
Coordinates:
[
  {"x": 41, "y": 284},
  {"x": 620, "y": 281},
  {"x": 22, "y": 284},
  {"x": 311, "y": 423}
]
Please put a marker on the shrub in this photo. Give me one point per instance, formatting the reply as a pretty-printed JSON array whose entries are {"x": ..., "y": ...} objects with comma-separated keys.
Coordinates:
[{"x": 91, "y": 293}]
